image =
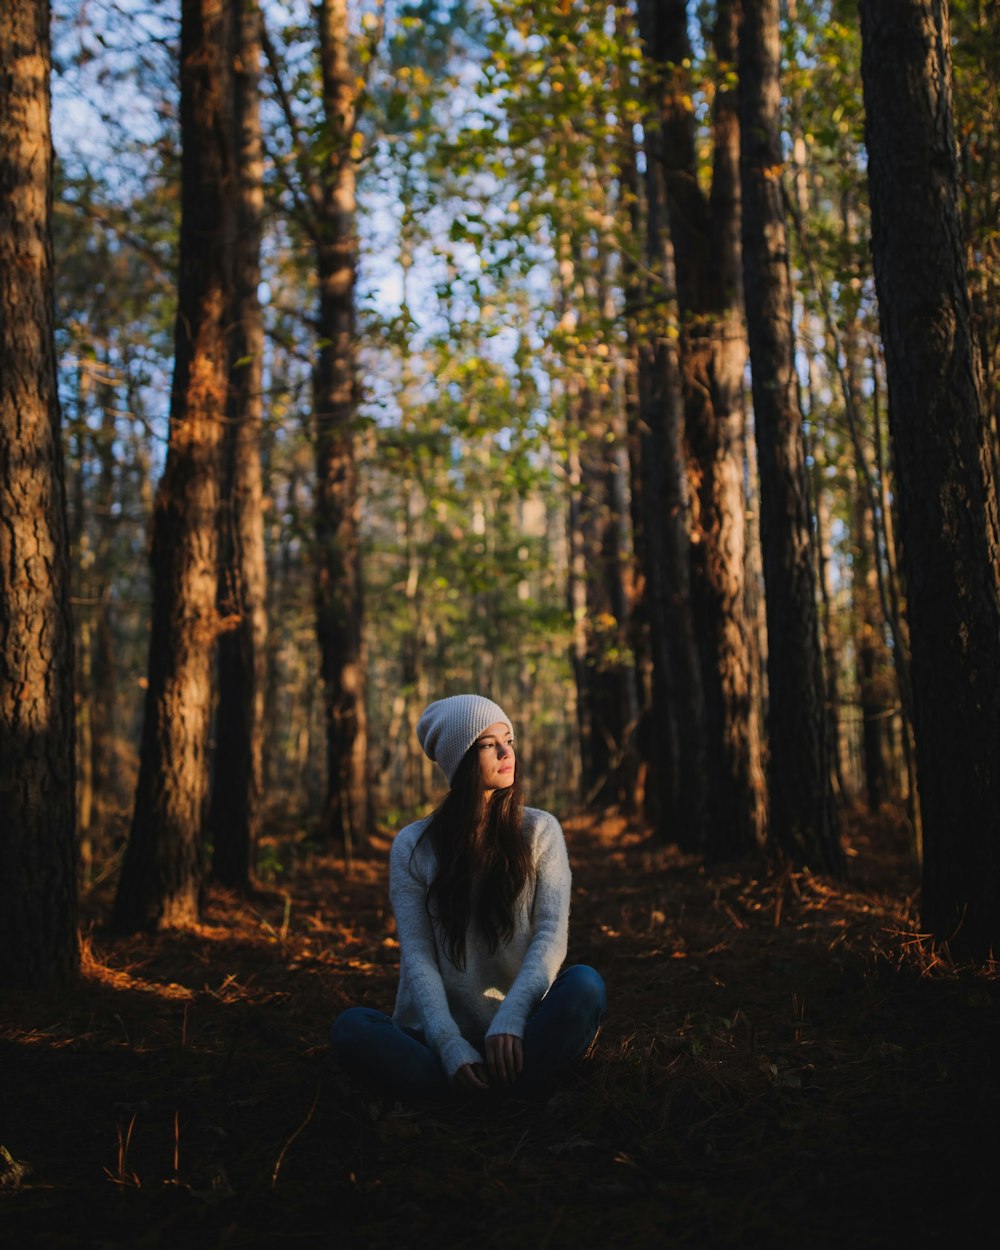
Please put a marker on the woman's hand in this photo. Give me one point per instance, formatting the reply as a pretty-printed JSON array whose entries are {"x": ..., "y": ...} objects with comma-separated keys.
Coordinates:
[
  {"x": 471, "y": 1076},
  {"x": 504, "y": 1058}
]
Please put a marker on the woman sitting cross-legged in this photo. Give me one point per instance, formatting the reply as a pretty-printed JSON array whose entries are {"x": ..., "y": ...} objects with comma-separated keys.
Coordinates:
[{"x": 481, "y": 892}]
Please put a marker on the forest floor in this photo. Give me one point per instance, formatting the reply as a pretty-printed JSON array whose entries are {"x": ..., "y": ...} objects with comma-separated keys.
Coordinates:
[{"x": 785, "y": 1063}]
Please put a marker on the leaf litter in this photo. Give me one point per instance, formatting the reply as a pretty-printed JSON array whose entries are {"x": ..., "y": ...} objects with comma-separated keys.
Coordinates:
[{"x": 786, "y": 1061}]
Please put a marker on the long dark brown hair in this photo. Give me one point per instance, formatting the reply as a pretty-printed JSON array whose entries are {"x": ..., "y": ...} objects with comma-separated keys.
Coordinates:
[{"x": 483, "y": 859}]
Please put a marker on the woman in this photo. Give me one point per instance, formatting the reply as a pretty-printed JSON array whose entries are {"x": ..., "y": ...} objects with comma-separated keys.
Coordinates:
[{"x": 481, "y": 891}]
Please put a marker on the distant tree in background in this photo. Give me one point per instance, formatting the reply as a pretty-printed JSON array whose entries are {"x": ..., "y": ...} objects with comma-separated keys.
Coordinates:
[
  {"x": 162, "y": 872},
  {"x": 322, "y": 146},
  {"x": 803, "y": 819},
  {"x": 944, "y": 463},
  {"x": 38, "y": 931}
]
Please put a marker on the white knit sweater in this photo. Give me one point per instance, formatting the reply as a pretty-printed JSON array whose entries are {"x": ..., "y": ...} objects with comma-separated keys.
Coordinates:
[{"x": 456, "y": 1009}]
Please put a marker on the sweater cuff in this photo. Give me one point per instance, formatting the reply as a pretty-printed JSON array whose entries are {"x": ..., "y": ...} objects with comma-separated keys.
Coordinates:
[
  {"x": 510, "y": 1024},
  {"x": 456, "y": 1053}
]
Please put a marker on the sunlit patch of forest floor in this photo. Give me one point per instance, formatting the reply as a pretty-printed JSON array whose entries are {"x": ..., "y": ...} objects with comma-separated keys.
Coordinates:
[{"x": 785, "y": 1063}]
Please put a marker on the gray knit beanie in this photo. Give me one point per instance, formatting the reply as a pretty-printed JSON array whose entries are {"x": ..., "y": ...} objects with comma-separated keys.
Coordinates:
[{"x": 450, "y": 726}]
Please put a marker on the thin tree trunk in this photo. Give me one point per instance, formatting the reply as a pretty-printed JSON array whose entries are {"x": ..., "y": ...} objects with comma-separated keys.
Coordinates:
[
  {"x": 843, "y": 357},
  {"x": 576, "y": 591},
  {"x": 756, "y": 607},
  {"x": 81, "y": 560},
  {"x": 870, "y": 656},
  {"x": 238, "y": 773},
  {"x": 599, "y": 575},
  {"x": 803, "y": 820},
  {"x": 944, "y": 465},
  {"x": 595, "y": 587},
  {"x": 38, "y": 917},
  {"x": 619, "y": 674},
  {"x": 103, "y": 680},
  {"x": 635, "y": 284},
  {"x": 339, "y": 586},
  {"x": 831, "y": 649},
  {"x": 161, "y": 876},
  {"x": 900, "y": 626}
]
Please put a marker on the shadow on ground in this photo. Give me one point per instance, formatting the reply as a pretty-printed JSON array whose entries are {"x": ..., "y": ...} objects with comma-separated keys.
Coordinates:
[{"x": 785, "y": 1063}]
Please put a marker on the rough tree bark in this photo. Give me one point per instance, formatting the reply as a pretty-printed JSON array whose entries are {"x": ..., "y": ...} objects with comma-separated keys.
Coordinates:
[
  {"x": 339, "y": 585},
  {"x": 803, "y": 819},
  {"x": 38, "y": 931},
  {"x": 676, "y": 737},
  {"x": 944, "y": 465},
  {"x": 162, "y": 872},
  {"x": 705, "y": 232},
  {"x": 237, "y": 781}
]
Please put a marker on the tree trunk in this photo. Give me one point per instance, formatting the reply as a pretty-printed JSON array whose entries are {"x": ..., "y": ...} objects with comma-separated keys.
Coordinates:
[
  {"x": 599, "y": 610},
  {"x": 104, "y": 668},
  {"x": 238, "y": 773},
  {"x": 676, "y": 739},
  {"x": 596, "y": 536},
  {"x": 705, "y": 235},
  {"x": 646, "y": 753},
  {"x": 871, "y": 660},
  {"x": 38, "y": 918},
  {"x": 803, "y": 819},
  {"x": 943, "y": 459},
  {"x": 900, "y": 627},
  {"x": 839, "y": 756},
  {"x": 576, "y": 589},
  {"x": 161, "y": 876},
  {"x": 871, "y": 653},
  {"x": 339, "y": 587}
]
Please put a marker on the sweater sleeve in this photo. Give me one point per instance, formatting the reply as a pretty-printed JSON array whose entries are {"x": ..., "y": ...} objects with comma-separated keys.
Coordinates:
[
  {"x": 418, "y": 962},
  {"x": 550, "y": 929}
]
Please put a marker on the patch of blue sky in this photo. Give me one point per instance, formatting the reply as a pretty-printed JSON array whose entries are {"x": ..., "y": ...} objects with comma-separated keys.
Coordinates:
[{"x": 113, "y": 85}]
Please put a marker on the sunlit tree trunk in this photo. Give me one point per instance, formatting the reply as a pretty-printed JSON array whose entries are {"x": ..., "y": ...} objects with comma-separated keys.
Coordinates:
[
  {"x": 803, "y": 820},
  {"x": 161, "y": 876},
  {"x": 676, "y": 740},
  {"x": 38, "y": 933},
  {"x": 339, "y": 586},
  {"x": 237, "y": 782},
  {"x": 944, "y": 465},
  {"x": 706, "y": 242}
]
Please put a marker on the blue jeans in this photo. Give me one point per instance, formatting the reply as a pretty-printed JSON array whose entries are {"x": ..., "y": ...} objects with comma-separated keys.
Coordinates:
[{"x": 398, "y": 1062}]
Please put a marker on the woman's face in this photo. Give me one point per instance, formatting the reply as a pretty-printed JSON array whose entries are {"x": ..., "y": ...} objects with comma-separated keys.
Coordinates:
[{"x": 496, "y": 757}]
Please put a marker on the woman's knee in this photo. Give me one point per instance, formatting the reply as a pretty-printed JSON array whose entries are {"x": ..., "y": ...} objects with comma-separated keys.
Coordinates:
[
  {"x": 349, "y": 1029},
  {"x": 586, "y": 985}
]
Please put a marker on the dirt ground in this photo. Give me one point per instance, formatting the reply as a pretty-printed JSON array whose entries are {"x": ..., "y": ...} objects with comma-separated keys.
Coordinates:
[{"x": 785, "y": 1062}]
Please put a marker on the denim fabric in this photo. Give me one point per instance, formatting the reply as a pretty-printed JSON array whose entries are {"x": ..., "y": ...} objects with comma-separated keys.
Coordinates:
[{"x": 397, "y": 1062}]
